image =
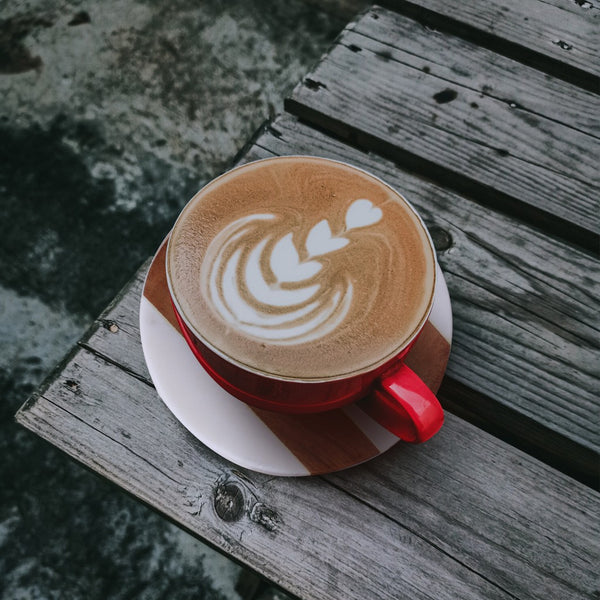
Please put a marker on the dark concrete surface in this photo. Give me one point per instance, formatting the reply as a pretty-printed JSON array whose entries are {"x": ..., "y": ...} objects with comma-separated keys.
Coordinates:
[{"x": 111, "y": 115}]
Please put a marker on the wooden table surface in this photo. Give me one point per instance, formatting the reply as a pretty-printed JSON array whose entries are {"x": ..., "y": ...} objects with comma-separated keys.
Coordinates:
[{"x": 487, "y": 116}]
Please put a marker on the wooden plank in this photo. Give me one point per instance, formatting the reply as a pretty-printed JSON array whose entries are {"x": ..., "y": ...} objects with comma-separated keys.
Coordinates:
[
  {"x": 305, "y": 535},
  {"x": 558, "y": 36},
  {"x": 459, "y": 496},
  {"x": 512, "y": 557},
  {"x": 479, "y": 70},
  {"x": 117, "y": 329},
  {"x": 450, "y": 126}
]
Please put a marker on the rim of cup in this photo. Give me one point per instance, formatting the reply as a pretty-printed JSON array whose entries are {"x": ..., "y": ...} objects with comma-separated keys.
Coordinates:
[{"x": 389, "y": 357}]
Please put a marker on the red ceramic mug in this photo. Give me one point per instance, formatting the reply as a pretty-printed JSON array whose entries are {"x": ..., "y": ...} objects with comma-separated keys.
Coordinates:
[{"x": 301, "y": 283}]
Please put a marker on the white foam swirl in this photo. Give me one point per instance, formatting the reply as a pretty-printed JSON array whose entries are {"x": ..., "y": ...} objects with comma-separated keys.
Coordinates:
[{"x": 256, "y": 281}]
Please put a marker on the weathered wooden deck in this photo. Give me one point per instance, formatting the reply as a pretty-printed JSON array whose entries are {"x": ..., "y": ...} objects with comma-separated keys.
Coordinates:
[{"x": 490, "y": 127}]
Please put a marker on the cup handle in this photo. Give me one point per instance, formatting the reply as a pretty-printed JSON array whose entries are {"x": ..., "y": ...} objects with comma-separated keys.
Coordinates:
[{"x": 404, "y": 405}]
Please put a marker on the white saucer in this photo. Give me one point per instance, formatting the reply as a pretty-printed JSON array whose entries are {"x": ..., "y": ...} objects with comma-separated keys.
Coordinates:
[{"x": 272, "y": 443}]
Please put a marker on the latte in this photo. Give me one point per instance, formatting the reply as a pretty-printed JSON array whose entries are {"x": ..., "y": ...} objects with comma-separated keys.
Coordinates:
[{"x": 301, "y": 268}]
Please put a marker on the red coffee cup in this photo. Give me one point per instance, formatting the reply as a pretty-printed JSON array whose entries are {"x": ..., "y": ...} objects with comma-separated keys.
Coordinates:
[{"x": 395, "y": 392}]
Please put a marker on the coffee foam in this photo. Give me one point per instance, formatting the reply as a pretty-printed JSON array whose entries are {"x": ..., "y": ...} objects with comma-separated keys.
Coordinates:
[{"x": 301, "y": 268}]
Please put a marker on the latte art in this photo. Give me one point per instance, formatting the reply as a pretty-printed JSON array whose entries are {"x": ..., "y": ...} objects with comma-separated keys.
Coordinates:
[
  {"x": 301, "y": 268},
  {"x": 259, "y": 284}
]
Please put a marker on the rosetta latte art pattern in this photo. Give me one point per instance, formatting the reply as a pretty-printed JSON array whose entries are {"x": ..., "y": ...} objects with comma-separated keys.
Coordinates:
[{"x": 258, "y": 283}]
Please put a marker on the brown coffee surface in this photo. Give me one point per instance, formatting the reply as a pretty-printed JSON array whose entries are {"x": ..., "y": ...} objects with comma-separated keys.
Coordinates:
[{"x": 301, "y": 268}]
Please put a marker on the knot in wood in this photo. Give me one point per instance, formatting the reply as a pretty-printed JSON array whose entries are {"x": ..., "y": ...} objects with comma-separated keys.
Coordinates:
[
  {"x": 442, "y": 240},
  {"x": 313, "y": 85},
  {"x": 445, "y": 96},
  {"x": 73, "y": 386},
  {"x": 229, "y": 501},
  {"x": 562, "y": 44},
  {"x": 265, "y": 516}
]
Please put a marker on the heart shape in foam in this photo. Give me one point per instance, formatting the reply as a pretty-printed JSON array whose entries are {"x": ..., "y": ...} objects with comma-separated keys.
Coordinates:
[
  {"x": 320, "y": 241},
  {"x": 362, "y": 213}
]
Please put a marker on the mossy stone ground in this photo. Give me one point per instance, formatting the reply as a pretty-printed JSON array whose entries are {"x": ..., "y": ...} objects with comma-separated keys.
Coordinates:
[{"x": 112, "y": 114}]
